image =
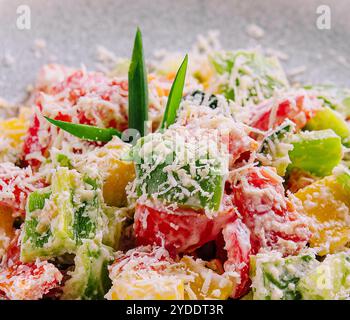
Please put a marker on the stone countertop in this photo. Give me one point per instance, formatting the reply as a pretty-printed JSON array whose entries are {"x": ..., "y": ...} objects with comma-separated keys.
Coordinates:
[{"x": 72, "y": 29}]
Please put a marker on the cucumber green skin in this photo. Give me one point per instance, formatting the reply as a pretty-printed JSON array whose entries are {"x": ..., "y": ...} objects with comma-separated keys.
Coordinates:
[
  {"x": 328, "y": 119},
  {"x": 117, "y": 221},
  {"x": 67, "y": 228},
  {"x": 335, "y": 98},
  {"x": 344, "y": 181},
  {"x": 59, "y": 239},
  {"x": 89, "y": 280},
  {"x": 64, "y": 161},
  {"x": 285, "y": 280},
  {"x": 36, "y": 201},
  {"x": 329, "y": 281},
  {"x": 262, "y": 68},
  {"x": 317, "y": 152},
  {"x": 278, "y": 135},
  {"x": 213, "y": 183}
]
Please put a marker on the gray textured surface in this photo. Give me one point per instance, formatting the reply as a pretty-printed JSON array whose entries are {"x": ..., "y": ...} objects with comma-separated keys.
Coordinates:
[{"x": 73, "y": 28}]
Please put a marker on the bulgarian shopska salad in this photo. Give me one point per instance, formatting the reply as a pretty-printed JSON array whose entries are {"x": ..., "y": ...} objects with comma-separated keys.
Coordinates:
[{"x": 213, "y": 180}]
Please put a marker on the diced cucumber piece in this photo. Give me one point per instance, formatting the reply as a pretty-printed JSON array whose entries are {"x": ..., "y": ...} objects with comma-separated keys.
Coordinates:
[
  {"x": 36, "y": 200},
  {"x": 199, "y": 97},
  {"x": 343, "y": 178},
  {"x": 329, "y": 119},
  {"x": 251, "y": 76},
  {"x": 328, "y": 281},
  {"x": 63, "y": 185},
  {"x": 335, "y": 98},
  {"x": 120, "y": 68},
  {"x": 317, "y": 152},
  {"x": 64, "y": 161},
  {"x": 274, "y": 150},
  {"x": 277, "y": 278},
  {"x": 88, "y": 212},
  {"x": 300, "y": 277},
  {"x": 70, "y": 213},
  {"x": 52, "y": 222},
  {"x": 118, "y": 218},
  {"x": 90, "y": 279},
  {"x": 173, "y": 170}
]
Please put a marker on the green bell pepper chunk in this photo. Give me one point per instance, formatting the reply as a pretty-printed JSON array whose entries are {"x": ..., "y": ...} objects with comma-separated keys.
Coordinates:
[
  {"x": 89, "y": 280},
  {"x": 317, "y": 152},
  {"x": 329, "y": 119}
]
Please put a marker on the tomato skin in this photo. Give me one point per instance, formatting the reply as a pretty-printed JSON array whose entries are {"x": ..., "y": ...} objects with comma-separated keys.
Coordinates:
[
  {"x": 19, "y": 190},
  {"x": 28, "y": 281},
  {"x": 298, "y": 109},
  {"x": 184, "y": 230},
  {"x": 238, "y": 247},
  {"x": 31, "y": 143},
  {"x": 268, "y": 221},
  {"x": 157, "y": 254},
  {"x": 13, "y": 251},
  {"x": 67, "y": 95},
  {"x": 271, "y": 217}
]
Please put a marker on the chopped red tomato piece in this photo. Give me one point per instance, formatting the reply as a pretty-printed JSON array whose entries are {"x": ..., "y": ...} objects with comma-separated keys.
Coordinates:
[
  {"x": 230, "y": 135},
  {"x": 271, "y": 114},
  {"x": 29, "y": 281},
  {"x": 32, "y": 144},
  {"x": 13, "y": 251},
  {"x": 26, "y": 281},
  {"x": 49, "y": 76},
  {"x": 143, "y": 254},
  {"x": 271, "y": 217},
  {"x": 181, "y": 230},
  {"x": 238, "y": 248},
  {"x": 299, "y": 179},
  {"x": 80, "y": 97},
  {"x": 15, "y": 185}
]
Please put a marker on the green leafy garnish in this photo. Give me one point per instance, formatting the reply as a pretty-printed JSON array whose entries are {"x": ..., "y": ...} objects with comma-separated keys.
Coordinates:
[
  {"x": 138, "y": 88},
  {"x": 86, "y": 132},
  {"x": 138, "y": 101},
  {"x": 175, "y": 96}
]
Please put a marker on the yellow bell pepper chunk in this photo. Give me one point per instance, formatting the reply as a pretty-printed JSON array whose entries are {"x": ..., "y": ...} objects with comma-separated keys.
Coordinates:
[
  {"x": 119, "y": 174},
  {"x": 206, "y": 284},
  {"x": 158, "y": 287},
  {"x": 116, "y": 173},
  {"x": 204, "y": 75},
  {"x": 327, "y": 202},
  {"x": 6, "y": 229},
  {"x": 14, "y": 129}
]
